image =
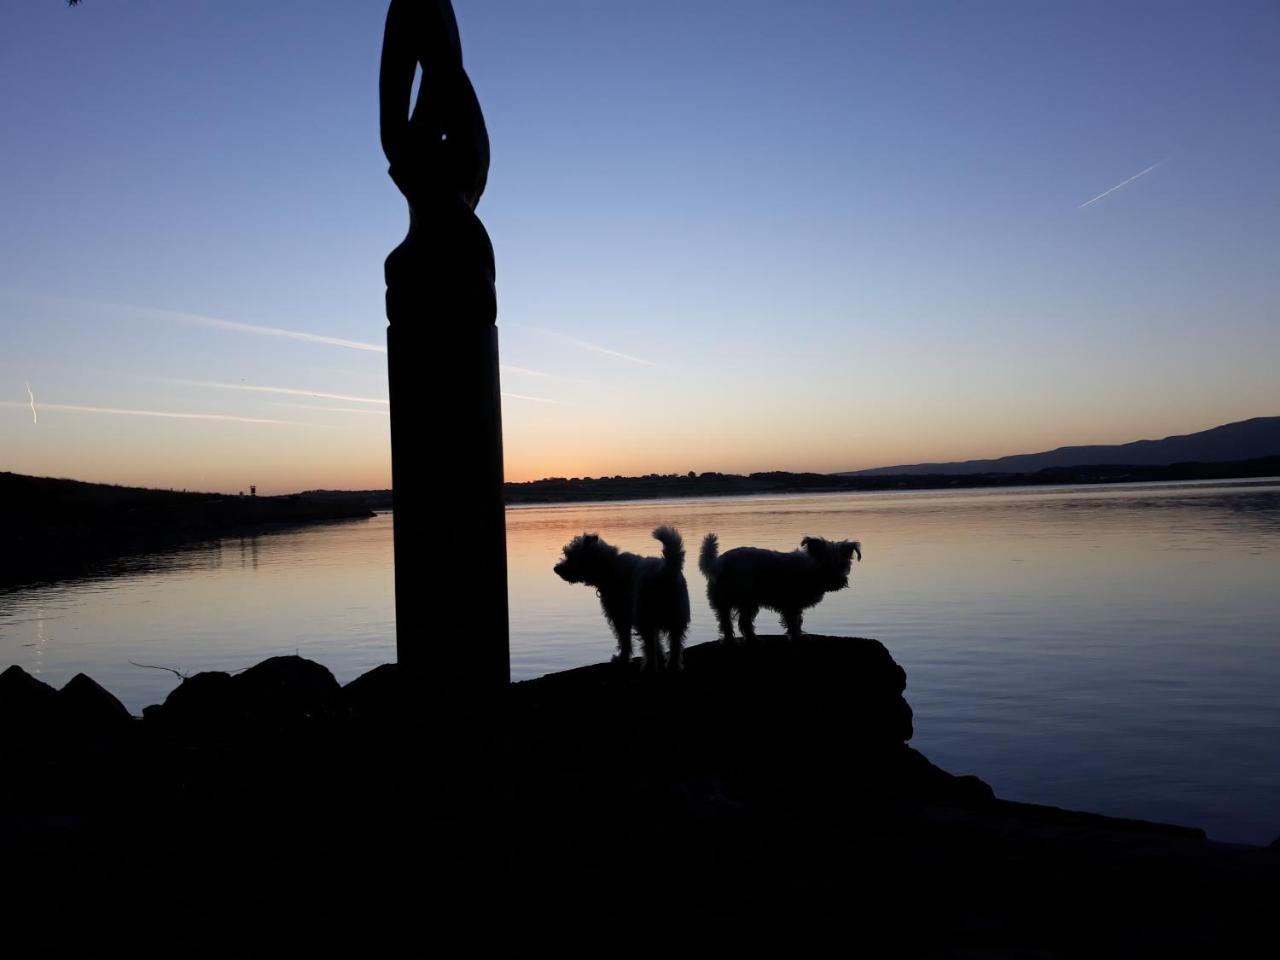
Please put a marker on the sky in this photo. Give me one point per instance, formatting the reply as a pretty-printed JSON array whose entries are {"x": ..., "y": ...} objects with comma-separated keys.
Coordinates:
[{"x": 730, "y": 236}]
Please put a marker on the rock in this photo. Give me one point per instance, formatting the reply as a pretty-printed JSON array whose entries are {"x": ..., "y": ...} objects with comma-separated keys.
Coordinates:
[
  {"x": 205, "y": 700},
  {"x": 24, "y": 699},
  {"x": 921, "y": 779},
  {"x": 374, "y": 696},
  {"x": 287, "y": 690},
  {"x": 277, "y": 691},
  {"x": 83, "y": 704},
  {"x": 824, "y": 717}
]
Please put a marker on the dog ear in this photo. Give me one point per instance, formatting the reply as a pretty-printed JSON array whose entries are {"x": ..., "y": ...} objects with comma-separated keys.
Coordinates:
[
  {"x": 812, "y": 544},
  {"x": 590, "y": 537},
  {"x": 849, "y": 547}
]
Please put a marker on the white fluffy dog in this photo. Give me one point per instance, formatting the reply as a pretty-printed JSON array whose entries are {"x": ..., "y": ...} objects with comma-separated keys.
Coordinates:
[
  {"x": 647, "y": 594},
  {"x": 748, "y": 578}
]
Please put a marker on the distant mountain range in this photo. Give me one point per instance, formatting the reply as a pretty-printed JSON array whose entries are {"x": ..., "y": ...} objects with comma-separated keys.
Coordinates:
[{"x": 1246, "y": 440}]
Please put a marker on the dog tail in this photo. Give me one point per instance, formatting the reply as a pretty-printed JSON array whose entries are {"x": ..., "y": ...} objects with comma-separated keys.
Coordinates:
[
  {"x": 707, "y": 560},
  {"x": 672, "y": 548}
]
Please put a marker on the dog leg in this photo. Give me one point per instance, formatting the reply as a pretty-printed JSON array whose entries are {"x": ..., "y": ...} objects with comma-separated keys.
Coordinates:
[
  {"x": 747, "y": 622},
  {"x": 623, "y": 632},
  {"x": 675, "y": 650},
  {"x": 652, "y": 650},
  {"x": 725, "y": 616},
  {"x": 791, "y": 620}
]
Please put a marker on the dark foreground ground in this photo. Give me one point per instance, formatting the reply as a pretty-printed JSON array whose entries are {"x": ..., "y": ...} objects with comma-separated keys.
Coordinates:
[{"x": 763, "y": 789}]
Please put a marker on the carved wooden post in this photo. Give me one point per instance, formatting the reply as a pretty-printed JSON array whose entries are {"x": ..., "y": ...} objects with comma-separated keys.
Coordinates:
[{"x": 442, "y": 364}]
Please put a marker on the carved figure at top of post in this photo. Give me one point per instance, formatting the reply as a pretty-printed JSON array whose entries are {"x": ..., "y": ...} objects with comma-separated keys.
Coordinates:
[{"x": 438, "y": 151}]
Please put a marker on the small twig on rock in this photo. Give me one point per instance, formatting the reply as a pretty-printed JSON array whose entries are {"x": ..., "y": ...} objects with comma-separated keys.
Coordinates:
[{"x": 147, "y": 666}]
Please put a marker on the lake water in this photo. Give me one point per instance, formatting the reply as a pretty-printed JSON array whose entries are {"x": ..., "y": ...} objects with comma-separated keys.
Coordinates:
[{"x": 1114, "y": 649}]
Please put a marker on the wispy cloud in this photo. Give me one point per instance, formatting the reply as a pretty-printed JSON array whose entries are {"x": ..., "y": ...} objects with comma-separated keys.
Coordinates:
[
  {"x": 34, "y": 418},
  {"x": 584, "y": 345},
  {"x": 1123, "y": 183},
  {"x": 295, "y": 392},
  {"x": 286, "y": 391},
  {"x": 121, "y": 412},
  {"x": 525, "y": 396},
  {"x": 514, "y": 371},
  {"x": 308, "y": 406},
  {"x": 235, "y": 325},
  {"x": 526, "y": 372},
  {"x": 130, "y": 311}
]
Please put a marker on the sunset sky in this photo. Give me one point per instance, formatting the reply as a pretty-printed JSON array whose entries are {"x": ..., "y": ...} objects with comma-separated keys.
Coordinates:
[{"x": 730, "y": 235}]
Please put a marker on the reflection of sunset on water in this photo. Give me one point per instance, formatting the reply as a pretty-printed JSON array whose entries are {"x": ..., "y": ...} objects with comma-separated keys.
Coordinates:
[{"x": 1055, "y": 641}]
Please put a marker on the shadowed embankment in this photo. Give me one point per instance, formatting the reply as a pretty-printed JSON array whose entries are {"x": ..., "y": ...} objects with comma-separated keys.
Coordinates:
[
  {"x": 56, "y": 528},
  {"x": 273, "y": 811}
]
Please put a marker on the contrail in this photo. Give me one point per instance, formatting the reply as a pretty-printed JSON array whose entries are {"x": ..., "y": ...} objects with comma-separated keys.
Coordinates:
[
  {"x": 1122, "y": 184},
  {"x": 541, "y": 375},
  {"x": 287, "y": 391},
  {"x": 292, "y": 392},
  {"x": 523, "y": 396},
  {"x": 178, "y": 316},
  {"x": 239, "y": 327},
  {"x": 34, "y": 418},
  {"x": 507, "y": 368},
  {"x": 308, "y": 406},
  {"x": 117, "y": 411},
  {"x": 584, "y": 345}
]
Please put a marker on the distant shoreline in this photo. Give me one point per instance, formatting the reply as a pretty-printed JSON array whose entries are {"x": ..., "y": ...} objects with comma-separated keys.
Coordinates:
[
  {"x": 60, "y": 529},
  {"x": 656, "y": 487}
]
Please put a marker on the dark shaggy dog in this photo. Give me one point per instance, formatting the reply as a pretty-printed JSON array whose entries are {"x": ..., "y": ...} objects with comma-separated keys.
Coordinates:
[
  {"x": 647, "y": 594},
  {"x": 748, "y": 578}
]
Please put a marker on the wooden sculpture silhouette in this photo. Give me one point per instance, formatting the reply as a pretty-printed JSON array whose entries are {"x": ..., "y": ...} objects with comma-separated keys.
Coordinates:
[{"x": 442, "y": 360}]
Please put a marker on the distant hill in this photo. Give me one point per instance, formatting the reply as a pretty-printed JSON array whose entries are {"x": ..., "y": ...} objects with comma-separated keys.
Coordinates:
[{"x": 1246, "y": 440}]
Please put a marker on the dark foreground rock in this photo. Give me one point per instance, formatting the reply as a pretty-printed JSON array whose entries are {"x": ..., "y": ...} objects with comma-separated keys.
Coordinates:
[
  {"x": 763, "y": 786},
  {"x": 85, "y": 705},
  {"x": 278, "y": 693},
  {"x": 24, "y": 700}
]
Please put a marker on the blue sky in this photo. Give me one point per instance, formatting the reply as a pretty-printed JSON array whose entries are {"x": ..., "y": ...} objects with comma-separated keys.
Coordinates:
[{"x": 730, "y": 236}]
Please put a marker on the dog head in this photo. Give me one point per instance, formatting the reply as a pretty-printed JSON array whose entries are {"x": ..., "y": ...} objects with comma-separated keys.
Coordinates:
[
  {"x": 834, "y": 559},
  {"x": 586, "y": 560}
]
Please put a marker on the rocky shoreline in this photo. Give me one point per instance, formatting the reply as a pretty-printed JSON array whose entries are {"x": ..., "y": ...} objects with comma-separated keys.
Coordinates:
[{"x": 275, "y": 811}]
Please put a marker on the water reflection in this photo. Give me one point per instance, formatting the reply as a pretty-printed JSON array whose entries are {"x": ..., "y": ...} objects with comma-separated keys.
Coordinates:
[{"x": 1106, "y": 648}]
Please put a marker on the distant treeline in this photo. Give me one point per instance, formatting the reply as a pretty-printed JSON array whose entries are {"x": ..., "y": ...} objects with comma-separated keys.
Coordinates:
[{"x": 568, "y": 490}]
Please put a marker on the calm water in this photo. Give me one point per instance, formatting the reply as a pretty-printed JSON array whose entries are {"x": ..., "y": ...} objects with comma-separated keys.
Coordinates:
[{"x": 1108, "y": 649}]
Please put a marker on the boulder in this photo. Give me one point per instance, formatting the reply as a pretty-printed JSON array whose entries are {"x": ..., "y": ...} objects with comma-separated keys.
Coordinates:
[
  {"x": 374, "y": 696},
  {"x": 24, "y": 699},
  {"x": 287, "y": 690},
  {"x": 85, "y": 705},
  {"x": 823, "y": 717},
  {"x": 204, "y": 700}
]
